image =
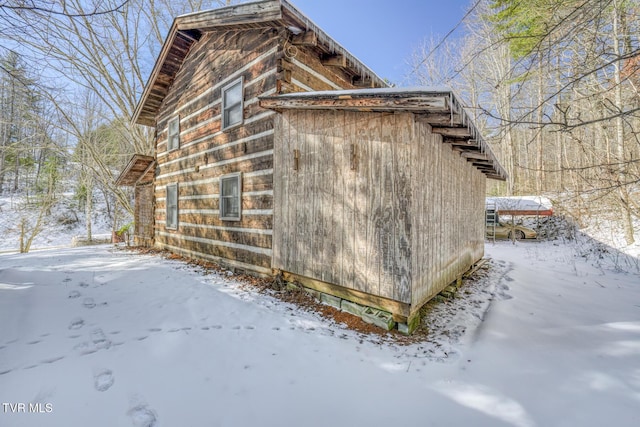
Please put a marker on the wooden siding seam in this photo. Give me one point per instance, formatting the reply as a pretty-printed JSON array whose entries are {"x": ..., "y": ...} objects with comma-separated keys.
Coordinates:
[
  {"x": 301, "y": 85},
  {"x": 217, "y": 101},
  {"x": 217, "y": 164},
  {"x": 262, "y": 231},
  {"x": 249, "y": 138},
  {"x": 205, "y": 138},
  {"x": 215, "y": 118},
  {"x": 217, "y": 211},
  {"x": 216, "y": 195},
  {"x": 229, "y": 78},
  {"x": 262, "y": 251},
  {"x": 205, "y": 181},
  {"x": 316, "y": 74},
  {"x": 203, "y": 123},
  {"x": 225, "y": 261}
]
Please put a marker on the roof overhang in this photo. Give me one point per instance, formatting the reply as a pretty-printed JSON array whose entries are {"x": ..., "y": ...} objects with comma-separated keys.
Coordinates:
[
  {"x": 139, "y": 170},
  {"x": 186, "y": 30},
  {"x": 439, "y": 107}
]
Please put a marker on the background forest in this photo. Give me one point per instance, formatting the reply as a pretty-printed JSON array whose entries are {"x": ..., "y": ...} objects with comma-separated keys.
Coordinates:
[{"x": 553, "y": 84}]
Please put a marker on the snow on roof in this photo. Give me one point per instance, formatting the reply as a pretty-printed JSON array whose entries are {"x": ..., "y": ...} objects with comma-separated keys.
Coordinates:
[{"x": 521, "y": 203}]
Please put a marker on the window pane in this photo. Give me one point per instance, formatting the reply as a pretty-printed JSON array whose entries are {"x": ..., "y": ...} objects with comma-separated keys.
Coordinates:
[
  {"x": 233, "y": 116},
  {"x": 173, "y": 126},
  {"x": 230, "y": 197},
  {"x": 233, "y": 95},
  {"x": 232, "y": 105},
  {"x": 230, "y": 187},
  {"x": 172, "y": 206},
  {"x": 173, "y": 134}
]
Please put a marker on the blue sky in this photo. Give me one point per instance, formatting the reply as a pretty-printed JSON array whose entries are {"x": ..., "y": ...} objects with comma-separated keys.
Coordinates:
[{"x": 383, "y": 33}]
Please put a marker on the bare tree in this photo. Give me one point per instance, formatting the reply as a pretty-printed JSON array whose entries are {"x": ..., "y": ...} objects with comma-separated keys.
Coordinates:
[
  {"x": 554, "y": 84},
  {"x": 102, "y": 52}
]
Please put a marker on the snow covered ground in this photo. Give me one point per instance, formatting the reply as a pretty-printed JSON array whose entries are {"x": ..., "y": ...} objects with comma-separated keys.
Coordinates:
[
  {"x": 549, "y": 335},
  {"x": 64, "y": 222}
]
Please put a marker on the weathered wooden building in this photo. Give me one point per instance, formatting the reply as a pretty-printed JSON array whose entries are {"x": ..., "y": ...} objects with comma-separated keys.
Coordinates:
[{"x": 277, "y": 151}]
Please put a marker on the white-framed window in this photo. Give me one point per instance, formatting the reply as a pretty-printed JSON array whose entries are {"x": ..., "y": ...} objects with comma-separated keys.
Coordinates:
[
  {"x": 173, "y": 134},
  {"x": 232, "y": 104},
  {"x": 231, "y": 197},
  {"x": 172, "y": 206}
]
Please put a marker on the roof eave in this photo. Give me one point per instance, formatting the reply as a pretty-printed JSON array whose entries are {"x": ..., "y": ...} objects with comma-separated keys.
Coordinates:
[
  {"x": 246, "y": 13},
  {"x": 439, "y": 108}
]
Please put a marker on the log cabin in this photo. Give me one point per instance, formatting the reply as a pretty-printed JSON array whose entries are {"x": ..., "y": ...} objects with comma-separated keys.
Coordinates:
[{"x": 277, "y": 152}]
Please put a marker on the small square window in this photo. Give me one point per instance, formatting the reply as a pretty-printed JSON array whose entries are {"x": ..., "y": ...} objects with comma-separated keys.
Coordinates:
[
  {"x": 231, "y": 197},
  {"x": 173, "y": 134},
  {"x": 232, "y": 104},
  {"x": 172, "y": 206}
]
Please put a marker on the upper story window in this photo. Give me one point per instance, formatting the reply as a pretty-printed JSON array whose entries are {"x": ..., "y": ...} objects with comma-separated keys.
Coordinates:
[
  {"x": 172, "y": 206},
  {"x": 232, "y": 104},
  {"x": 173, "y": 134},
  {"x": 230, "y": 197}
]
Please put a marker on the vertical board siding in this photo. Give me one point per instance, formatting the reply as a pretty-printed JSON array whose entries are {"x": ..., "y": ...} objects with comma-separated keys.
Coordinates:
[
  {"x": 403, "y": 205},
  {"x": 206, "y": 152},
  {"x": 403, "y": 225},
  {"x": 345, "y": 130},
  {"x": 143, "y": 215},
  {"x": 349, "y": 227},
  {"x": 449, "y": 225}
]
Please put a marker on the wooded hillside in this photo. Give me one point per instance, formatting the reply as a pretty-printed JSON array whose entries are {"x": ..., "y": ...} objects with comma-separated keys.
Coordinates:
[{"x": 555, "y": 84}]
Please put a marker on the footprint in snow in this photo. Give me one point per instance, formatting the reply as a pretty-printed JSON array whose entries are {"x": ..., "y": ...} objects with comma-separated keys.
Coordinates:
[
  {"x": 67, "y": 280},
  {"x": 100, "y": 339},
  {"x": 33, "y": 342},
  {"x": 142, "y": 416},
  {"x": 52, "y": 360},
  {"x": 88, "y": 303},
  {"x": 74, "y": 294},
  {"x": 155, "y": 329},
  {"x": 103, "y": 380},
  {"x": 83, "y": 284},
  {"x": 5, "y": 372},
  {"x": 76, "y": 323}
]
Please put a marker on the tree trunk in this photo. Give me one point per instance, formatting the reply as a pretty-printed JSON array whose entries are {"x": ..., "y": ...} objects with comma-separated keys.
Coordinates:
[{"x": 619, "y": 124}]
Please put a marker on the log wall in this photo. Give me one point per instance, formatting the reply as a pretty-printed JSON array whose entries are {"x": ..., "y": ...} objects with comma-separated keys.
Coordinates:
[
  {"x": 206, "y": 152},
  {"x": 268, "y": 64},
  {"x": 301, "y": 70}
]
